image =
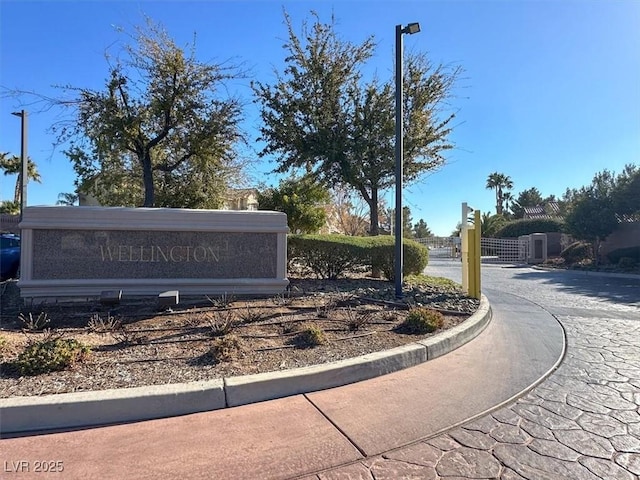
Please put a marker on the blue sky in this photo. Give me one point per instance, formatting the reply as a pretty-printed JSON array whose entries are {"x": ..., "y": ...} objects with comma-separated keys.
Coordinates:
[{"x": 550, "y": 93}]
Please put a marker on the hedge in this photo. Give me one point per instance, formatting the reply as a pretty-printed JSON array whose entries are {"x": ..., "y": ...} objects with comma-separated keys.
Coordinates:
[
  {"x": 528, "y": 226},
  {"x": 332, "y": 256},
  {"x": 632, "y": 254},
  {"x": 577, "y": 252}
]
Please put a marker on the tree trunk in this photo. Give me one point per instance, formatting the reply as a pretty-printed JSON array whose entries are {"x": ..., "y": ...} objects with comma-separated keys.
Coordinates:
[
  {"x": 17, "y": 192},
  {"x": 596, "y": 251},
  {"x": 374, "y": 229},
  {"x": 147, "y": 177}
]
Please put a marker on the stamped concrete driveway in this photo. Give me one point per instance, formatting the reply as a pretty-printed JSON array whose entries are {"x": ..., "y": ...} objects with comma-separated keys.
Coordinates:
[{"x": 583, "y": 422}]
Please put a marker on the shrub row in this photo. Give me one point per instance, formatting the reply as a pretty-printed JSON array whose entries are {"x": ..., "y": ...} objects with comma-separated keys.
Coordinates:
[
  {"x": 330, "y": 256},
  {"x": 528, "y": 226},
  {"x": 625, "y": 257},
  {"x": 577, "y": 252}
]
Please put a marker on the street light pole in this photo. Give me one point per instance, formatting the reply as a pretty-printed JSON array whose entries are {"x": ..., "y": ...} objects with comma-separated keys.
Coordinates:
[
  {"x": 399, "y": 270},
  {"x": 23, "y": 159}
]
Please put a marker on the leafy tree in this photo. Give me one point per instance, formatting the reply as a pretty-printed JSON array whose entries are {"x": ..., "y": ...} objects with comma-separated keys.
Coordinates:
[
  {"x": 68, "y": 199},
  {"x": 594, "y": 211},
  {"x": 346, "y": 214},
  {"x": 302, "y": 199},
  {"x": 626, "y": 194},
  {"x": 407, "y": 227},
  {"x": 499, "y": 182},
  {"x": 592, "y": 218},
  {"x": 320, "y": 116},
  {"x": 527, "y": 198},
  {"x": 159, "y": 132},
  {"x": 421, "y": 230},
  {"x": 12, "y": 165}
]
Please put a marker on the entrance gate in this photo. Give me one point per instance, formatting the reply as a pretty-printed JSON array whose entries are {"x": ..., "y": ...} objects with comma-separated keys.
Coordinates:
[
  {"x": 441, "y": 247},
  {"x": 493, "y": 250}
]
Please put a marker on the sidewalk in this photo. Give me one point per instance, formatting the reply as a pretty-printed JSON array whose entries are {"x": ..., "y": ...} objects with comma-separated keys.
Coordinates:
[{"x": 301, "y": 435}]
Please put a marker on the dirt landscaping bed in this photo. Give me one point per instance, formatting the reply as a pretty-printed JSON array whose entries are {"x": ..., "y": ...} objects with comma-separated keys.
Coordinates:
[{"x": 137, "y": 344}]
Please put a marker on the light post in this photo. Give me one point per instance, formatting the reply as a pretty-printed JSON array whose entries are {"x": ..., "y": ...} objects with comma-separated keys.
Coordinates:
[
  {"x": 23, "y": 160},
  {"x": 411, "y": 28}
]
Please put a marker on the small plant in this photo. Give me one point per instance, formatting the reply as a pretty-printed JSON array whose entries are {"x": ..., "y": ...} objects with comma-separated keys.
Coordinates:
[
  {"x": 223, "y": 301},
  {"x": 220, "y": 322},
  {"x": 356, "y": 320},
  {"x": 193, "y": 319},
  {"x": 225, "y": 348},
  {"x": 98, "y": 324},
  {"x": 421, "y": 320},
  {"x": 311, "y": 336},
  {"x": 326, "y": 307},
  {"x": 389, "y": 316},
  {"x": 127, "y": 336},
  {"x": 283, "y": 299},
  {"x": 252, "y": 315},
  {"x": 51, "y": 356},
  {"x": 35, "y": 324}
]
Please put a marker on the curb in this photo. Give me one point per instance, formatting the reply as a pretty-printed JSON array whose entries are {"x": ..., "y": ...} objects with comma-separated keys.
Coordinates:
[
  {"x": 631, "y": 276},
  {"x": 101, "y": 407}
]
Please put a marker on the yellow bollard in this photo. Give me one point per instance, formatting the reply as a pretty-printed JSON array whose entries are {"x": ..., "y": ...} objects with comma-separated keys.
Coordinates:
[
  {"x": 478, "y": 254},
  {"x": 464, "y": 257},
  {"x": 470, "y": 253}
]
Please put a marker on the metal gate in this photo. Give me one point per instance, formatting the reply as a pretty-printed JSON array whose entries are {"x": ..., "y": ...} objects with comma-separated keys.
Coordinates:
[
  {"x": 504, "y": 250},
  {"x": 441, "y": 247}
]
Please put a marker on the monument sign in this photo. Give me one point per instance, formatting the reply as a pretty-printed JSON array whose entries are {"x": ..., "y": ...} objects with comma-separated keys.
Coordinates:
[{"x": 82, "y": 251}]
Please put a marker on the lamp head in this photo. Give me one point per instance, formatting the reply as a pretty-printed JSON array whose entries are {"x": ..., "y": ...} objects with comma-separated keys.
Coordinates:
[
  {"x": 412, "y": 28},
  {"x": 17, "y": 114}
]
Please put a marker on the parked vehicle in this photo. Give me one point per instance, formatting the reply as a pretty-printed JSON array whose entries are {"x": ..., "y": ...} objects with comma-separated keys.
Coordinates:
[{"x": 9, "y": 255}]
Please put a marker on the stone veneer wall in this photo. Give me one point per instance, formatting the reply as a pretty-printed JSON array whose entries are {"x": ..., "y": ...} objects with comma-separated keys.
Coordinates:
[{"x": 82, "y": 251}]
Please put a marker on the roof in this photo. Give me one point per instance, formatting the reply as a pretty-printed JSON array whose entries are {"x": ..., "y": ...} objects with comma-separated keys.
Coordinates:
[{"x": 548, "y": 210}]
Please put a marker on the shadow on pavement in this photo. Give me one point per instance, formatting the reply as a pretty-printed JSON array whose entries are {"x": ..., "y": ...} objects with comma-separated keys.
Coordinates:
[{"x": 624, "y": 291}]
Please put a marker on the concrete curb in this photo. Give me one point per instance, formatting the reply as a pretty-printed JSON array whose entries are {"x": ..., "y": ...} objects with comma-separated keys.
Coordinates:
[
  {"x": 633, "y": 276},
  {"x": 83, "y": 409}
]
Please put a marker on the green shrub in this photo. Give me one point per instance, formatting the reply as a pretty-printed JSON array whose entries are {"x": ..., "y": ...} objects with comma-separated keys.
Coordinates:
[
  {"x": 577, "y": 252},
  {"x": 331, "y": 256},
  {"x": 51, "y": 356},
  {"x": 528, "y": 226},
  {"x": 328, "y": 256},
  {"x": 630, "y": 252},
  {"x": 382, "y": 248},
  {"x": 224, "y": 349},
  {"x": 311, "y": 336},
  {"x": 421, "y": 320}
]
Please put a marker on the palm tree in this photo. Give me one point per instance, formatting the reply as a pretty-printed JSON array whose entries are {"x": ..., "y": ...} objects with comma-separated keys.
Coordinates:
[
  {"x": 508, "y": 199},
  {"x": 12, "y": 165},
  {"x": 499, "y": 181}
]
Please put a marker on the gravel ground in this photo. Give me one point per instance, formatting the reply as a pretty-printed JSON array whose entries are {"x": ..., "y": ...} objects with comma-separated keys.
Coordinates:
[{"x": 136, "y": 345}]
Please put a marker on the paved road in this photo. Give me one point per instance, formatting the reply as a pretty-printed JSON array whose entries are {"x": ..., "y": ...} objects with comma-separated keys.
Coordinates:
[{"x": 583, "y": 422}]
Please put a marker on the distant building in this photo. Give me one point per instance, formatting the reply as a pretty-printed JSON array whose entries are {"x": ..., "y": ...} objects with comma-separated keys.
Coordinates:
[
  {"x": 241, "y": 199},
  {"x": 548, "y": 210}
]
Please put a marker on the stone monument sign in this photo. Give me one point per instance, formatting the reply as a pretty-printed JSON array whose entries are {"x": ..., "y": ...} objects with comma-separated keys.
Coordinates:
[{"x": 82, "y": 251}]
